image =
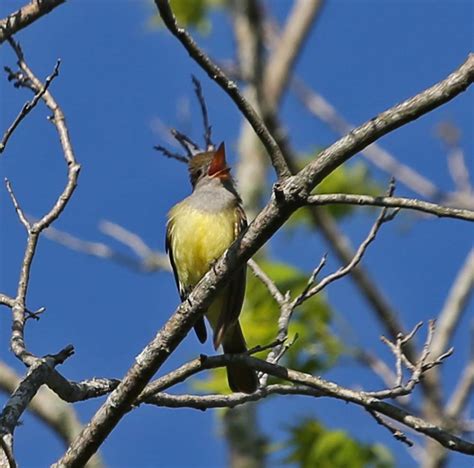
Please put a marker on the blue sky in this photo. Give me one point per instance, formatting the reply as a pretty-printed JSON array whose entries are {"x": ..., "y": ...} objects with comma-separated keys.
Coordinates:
[{"x": 117, "y": 75}]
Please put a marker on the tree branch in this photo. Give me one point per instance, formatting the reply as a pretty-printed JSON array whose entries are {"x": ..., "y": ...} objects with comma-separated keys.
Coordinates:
[
  {"x": 311, "y": 386},
  {"x": 392, "y": 202},
  {"x": 46, "y": 406},
  {"x": 288, "y": 46},
  {"x": 37, "y": 374},
  {"x": 217, "y": 75},
  {"x": 381, "y": 158},
  {"x": 455, "y": 305},
  {"x": 28, "y": 107},
  {"x": 25, "y": 16},
  {"x": 19, "y": 309}
]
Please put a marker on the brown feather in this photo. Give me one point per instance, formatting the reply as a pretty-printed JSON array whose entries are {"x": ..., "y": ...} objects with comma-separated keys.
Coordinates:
[
  {"x": 240, "y": 377},
  {"x": 235, "y": 290}
]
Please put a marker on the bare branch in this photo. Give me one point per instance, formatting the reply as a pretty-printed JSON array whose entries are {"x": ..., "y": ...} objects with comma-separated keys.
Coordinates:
[
  {"x": 28, "y": 106},
  {"x": 26, "y": 390},
  {"x": 172, "y": 154},
  {"x": 379, "y": 367},
  {"x": 79, "y": 391},
  {"x": 311, "y": 386},
  {"x": 381, "y": 219},
  {"x": 6, "y": 453},
  {"x": 150, "y": 261},
  {"x": 18, "y": 209},
  {"x": 205, "y": 119},
  {"x": 399, "y": 435},
  {"x": 381, "y": 158},
  {"x": 450, "y": 135},
  {"x": 417, "y": 368},
  {"x": 455, "y": 305},
  {"x": 287, "y": 48},
  {"x": 463, "y": 391},
  {"x": 25, "y": 16},
  {"x": 126, "y": 237},
  {"x": 392, "y": 119},
  {"x": 189, "y": 145},
  {"x": 7, "y": 300},
  {"x": 267, "y": 281},
  {"x": 216, "y": 74},
  {"x": 393, "y": 202},
  {"x": 19, "y": 310},
  {"x": 50, "y": 409}
]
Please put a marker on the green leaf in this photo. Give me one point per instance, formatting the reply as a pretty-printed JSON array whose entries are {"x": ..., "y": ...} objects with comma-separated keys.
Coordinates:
[
  {"x": 311, "y": 444},
  {"x": 194, "y": 13}
]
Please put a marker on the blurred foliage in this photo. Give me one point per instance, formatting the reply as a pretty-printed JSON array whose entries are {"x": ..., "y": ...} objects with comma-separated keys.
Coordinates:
[
  {"x": 192, "y": 13},
  {"x": 312, "y": 445},
  {"x": 352, "y": 178},
  {"x": 315, "y": 349}
]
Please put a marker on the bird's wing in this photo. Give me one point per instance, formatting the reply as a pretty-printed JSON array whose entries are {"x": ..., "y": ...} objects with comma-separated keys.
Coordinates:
[
  {"x": 235, "y": 290},
  {"x": 199, "y": 326}
]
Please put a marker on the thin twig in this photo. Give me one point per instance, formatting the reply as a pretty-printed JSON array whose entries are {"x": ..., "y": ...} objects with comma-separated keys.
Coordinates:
[
  {"x": 172, "y": 154},
  {"x": 189, "y": 145},
  {"x": 16, "y": 205},
  {"x": 205, "y": 119},
  {"x": 267, "y": 281},
  {"x": 381, "y": 219},
  {"x": 399, "y": 435},
  {"x": 153, "y": 261},
  {"x": 455, "y": 305},
  {"x": 28, "y": 106},
  {"x": 126, "y": 237},
  {"x": 417, "y": 368}
]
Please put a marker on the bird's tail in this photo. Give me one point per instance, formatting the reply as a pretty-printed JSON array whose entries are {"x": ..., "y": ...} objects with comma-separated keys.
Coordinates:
[{"x": 240, "y": 377}]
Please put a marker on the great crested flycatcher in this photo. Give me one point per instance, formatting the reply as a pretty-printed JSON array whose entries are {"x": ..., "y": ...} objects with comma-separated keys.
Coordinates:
[{"x": 199, "y": 230}]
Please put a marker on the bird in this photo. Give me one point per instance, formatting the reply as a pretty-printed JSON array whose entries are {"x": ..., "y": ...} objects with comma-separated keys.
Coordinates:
[{"x": 199, "y": 230}]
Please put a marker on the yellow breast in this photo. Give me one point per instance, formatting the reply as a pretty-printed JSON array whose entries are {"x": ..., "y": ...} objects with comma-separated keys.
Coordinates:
[{"x": 198, "y": 238}]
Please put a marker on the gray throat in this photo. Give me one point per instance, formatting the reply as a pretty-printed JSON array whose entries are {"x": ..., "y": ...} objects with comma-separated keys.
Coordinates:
[{"x": 212, "y": 195}]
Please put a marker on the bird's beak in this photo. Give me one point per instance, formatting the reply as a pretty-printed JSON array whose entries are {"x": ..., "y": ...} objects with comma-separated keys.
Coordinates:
[{"x": 218, "y": 167}]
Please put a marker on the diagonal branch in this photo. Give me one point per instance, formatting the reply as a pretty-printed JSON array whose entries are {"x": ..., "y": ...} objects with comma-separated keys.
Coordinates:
[
  {"x": 16, "y": 405},
  {"x": 46, "y": 406},
  {"x": 28, "y": 107},
  {"x": 455, "y": 305},
  {"x": 146, "y": 260},
  {"x": 217, "y": 75},
  {"x": 25, "y": 16},
  {"x": 287, "y": 48},
  {"x": 377, "y": 155}
]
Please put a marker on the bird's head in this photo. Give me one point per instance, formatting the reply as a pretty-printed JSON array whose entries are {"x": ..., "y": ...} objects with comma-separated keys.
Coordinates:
[{"x": 209, "y": 166}]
